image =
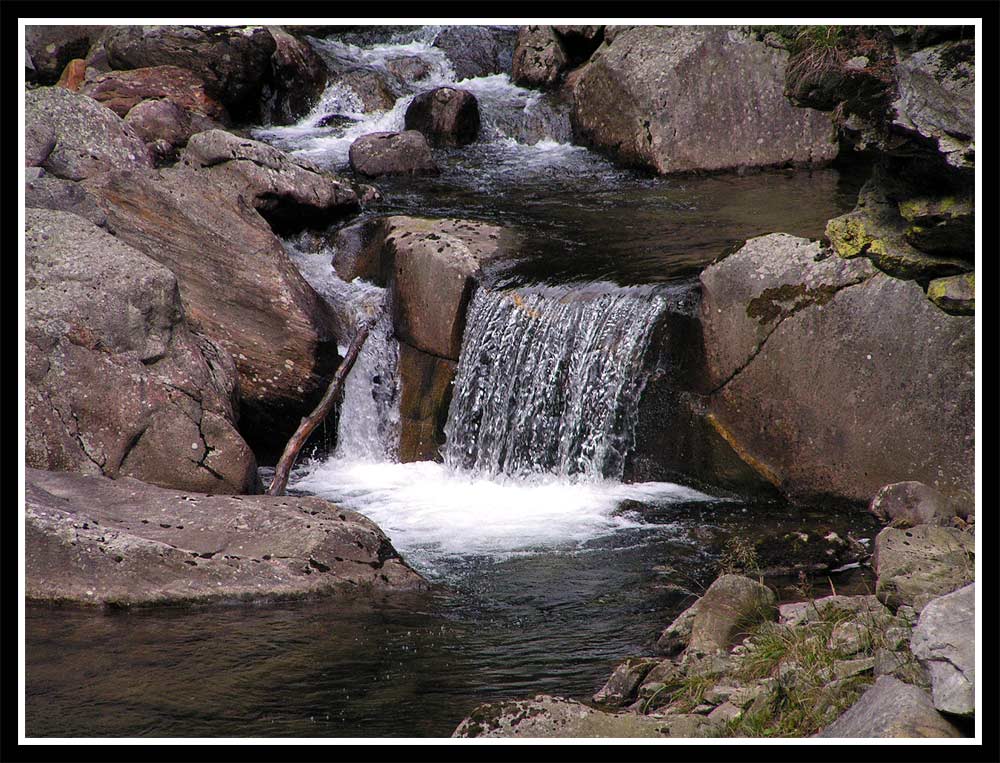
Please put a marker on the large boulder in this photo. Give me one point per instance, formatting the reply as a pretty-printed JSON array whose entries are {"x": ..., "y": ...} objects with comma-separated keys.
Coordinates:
[
  {"x": 912, "y": 503},
  {"x": 45, "y": 191},
  {"x": 891, "y": 708},
  {"x": 289, "y": 192},
  {"x": 90, "y": 540},
  {"x": 477, "y": 51},
  {"x": 546, "y": 716},
  {"x": 297, "y": 79},
  {"x": 730, "y": 606},
  {"x": 237, "y": 285},
  {"x": 121, "y": 90},
  {"x": 165, "y": 126},
  {"x": 937, "y": 97},
  {"x": 234, "y": 62},
  {"x": 781, "y": 322},
  {"x": 681, "y": 99},
  {"x": 116, "y": 382},
  {"x": 392, "y": 153},
  {"x": 74, "y": 137},
  {"x": 919, "y": 564},
  {"x": 445, "y": 116},
  {"x": 944, "y": 640},
  {"x": 50, "y": 47}
]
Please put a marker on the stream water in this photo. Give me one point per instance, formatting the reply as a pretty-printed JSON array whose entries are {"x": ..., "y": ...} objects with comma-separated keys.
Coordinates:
[{"x": 549, "y": 569}]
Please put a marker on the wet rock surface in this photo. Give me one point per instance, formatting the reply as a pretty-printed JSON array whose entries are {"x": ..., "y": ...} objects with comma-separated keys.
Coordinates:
[
  {"x": 445, "y": 116},
  {"x": 116, "y": 383},
  {"x": 392, "y": 153},
  {"x": 123, "y": 543}
]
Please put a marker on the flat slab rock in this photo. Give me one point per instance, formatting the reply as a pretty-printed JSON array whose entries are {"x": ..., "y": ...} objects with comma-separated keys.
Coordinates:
[
  {"x": 92, "y": 540},
  {"x": 546, "y": 716},
  {"x": 944, "y": 640}
]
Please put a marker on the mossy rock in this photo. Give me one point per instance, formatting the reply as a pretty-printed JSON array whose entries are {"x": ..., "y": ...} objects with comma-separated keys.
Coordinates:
[
  {"x": 944, "y": 226},
  {"x": 955, "y": 294}
]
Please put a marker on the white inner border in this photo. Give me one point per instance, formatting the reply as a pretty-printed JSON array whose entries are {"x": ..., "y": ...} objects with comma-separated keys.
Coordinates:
[{"x": 981, "y": 520}]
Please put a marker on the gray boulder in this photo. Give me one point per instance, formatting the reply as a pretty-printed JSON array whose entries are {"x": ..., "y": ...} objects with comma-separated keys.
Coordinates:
[
  {"x": 936, "y": 100},
  {"x": 44, "y": 191},
  {"x": 944, "y": 640},
  {"x": 288, "y": 191},
  {"x": 621, "y": 688},
  {"x": 676, "y": 636},
  {"x": 546, "y": 716},
  {"x": 912, "y": 503},
  {"x": 123, "y": 543},
  {"x": 74, "y": 137},
  {"x": 919, "y": 564},
  {"x": 954, "y": 294},
  {"x": 730, "y": 606},
  {"x": 392, "y": 153},
  {"x": 781, "y": 322},
  {"x": 116, "y": 384},
  {"x": 445, "y": 116},
  {"x": 681, "y": 99},
  {"x": 234, "y": 62},
  {"x": 891, "y": 708}
]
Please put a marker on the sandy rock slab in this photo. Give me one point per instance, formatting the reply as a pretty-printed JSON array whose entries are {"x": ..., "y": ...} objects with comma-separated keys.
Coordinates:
[{"x": 96, "y": 541}]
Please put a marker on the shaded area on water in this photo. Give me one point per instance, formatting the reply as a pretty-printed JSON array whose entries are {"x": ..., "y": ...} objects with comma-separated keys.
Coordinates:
[{"x": 556, "y": 622}]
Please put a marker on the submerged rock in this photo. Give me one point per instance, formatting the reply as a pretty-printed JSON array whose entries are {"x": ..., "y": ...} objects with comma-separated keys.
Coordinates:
[
  {"x": 681, "y": 99},
  {"x": 392, "y": 153},
  {"x": 944, "y": 640},
  {"x": 116, "y": 383},
  {"x": 445, "y": 116},
  {"x": 891, "y": 708},
  {"x": 94, "y": 541}
]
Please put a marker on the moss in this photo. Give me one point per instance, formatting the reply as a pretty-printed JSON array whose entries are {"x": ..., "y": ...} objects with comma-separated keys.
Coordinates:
[{"x": 848, "y": 235}]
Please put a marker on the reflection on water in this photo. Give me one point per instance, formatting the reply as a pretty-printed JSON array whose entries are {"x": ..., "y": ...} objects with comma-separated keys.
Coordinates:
[{"x": 498, "y": 627}]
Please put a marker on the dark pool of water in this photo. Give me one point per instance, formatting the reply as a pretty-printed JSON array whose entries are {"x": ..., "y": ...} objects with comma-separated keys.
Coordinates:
[{"x": 554, "y": 622}]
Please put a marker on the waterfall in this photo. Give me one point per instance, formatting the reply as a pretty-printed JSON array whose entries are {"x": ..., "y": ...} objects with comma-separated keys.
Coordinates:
[
  {"x": 549, "y": 381},
  {"x": 368, "y": 428}
]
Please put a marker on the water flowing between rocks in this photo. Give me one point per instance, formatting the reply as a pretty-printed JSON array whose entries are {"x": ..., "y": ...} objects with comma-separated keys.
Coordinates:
[{"x": 551, "y": 566}]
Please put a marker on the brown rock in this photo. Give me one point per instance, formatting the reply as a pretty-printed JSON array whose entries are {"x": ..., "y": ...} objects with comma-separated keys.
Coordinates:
[
  {"x": 90, "y": 540},
  {"x": 120, "y": 91},
  {"x": 445, "y": 116},
  {"x": 73, "y": 75},
  {"x": 425, "y": 394},
  {"x": 52, "y": 47},
  {"x": 116, "y": 383},
  {"x": 237, "y": 285},
  {"x": 298, "y": 78},
  {"x": 392, "y": 153},
  {"x": 539, "y": 57}
]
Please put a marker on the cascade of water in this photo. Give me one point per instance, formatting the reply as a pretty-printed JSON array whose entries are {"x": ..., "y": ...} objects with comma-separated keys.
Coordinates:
[
  {"x": 549, "y": 382},
  {"x": 368, "y": 429}
]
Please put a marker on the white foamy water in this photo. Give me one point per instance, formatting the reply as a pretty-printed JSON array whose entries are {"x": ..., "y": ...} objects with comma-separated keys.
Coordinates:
[{"x": 433, "y": 514}]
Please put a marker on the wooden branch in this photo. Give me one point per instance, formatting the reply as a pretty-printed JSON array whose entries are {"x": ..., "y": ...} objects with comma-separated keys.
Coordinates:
[{"x": 310, "y": 422}]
